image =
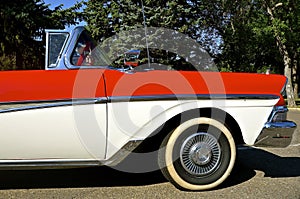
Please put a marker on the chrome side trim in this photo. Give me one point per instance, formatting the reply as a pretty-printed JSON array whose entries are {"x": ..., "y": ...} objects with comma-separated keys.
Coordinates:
[
  {"x": 122, "y": 153},
  {"x": 46, "y": 164},
  {"x": 56, "y": 163},
  {"x": 190, "y": 97},
  {"x": 29, "y": 105}
]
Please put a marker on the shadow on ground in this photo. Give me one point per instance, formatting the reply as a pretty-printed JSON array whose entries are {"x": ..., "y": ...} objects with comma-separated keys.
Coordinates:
[
  {"x": 248, "y": 161},
  {"x": 273, "y": 166}
]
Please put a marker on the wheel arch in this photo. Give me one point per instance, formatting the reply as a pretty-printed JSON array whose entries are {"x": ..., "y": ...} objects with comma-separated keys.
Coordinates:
[{"x": 152, "y": 142}]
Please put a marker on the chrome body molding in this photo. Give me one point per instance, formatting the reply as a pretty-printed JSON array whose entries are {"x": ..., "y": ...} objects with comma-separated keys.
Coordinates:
[
  {"x": 122, "y": 153},
  {"x": 29, "y": 105},
  {"x": 191, "y": 97},
  {"x": 57, "y": 164},
  {"x": 277, "y": 132},
  {"x": 46, "y": 164}
]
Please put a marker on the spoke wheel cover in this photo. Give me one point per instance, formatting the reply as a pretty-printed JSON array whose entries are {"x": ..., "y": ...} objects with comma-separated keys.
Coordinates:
[{"x": 200, "y": 154}]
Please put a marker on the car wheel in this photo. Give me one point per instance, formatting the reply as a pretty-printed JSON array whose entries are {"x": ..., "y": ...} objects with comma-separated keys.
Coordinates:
[{"x": 198, "y": 155}]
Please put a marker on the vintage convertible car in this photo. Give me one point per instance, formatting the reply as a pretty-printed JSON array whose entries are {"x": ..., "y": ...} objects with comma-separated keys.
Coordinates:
[{"x": 192, "y": 121}]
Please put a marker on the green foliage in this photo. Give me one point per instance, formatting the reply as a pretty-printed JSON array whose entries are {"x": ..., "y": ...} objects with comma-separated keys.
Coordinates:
[
  {"x": 237, "y": 34},
  {"x": 249, "y": 42},
  {"x": 108, "y": 18},
  {"x": 22, "y": 37}
]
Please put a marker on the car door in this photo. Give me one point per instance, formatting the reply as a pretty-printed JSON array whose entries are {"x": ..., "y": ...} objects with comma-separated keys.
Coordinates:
[{"x": 52, "y": 115}]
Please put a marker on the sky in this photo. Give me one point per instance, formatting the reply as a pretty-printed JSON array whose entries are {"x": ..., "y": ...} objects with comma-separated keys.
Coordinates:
[
  {"x": 66, "y": 4},
  {"x": 54, "y": 3}
]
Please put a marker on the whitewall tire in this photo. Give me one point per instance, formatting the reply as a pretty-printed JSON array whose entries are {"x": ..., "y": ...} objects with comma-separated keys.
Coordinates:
[{"x": 198, "y": 155}]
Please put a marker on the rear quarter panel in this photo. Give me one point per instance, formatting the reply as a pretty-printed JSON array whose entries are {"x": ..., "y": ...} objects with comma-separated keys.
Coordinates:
[{"x": 142, "y": 102}]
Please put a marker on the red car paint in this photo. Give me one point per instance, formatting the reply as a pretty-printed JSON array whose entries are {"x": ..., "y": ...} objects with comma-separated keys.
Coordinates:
[{"x": 90, "y": 83}]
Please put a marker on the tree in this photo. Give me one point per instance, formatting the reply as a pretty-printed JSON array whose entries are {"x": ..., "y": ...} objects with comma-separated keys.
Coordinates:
[
  {"x": 280, "y": 29},
  {"x": 263, "y": 34},
  {"x": 247, "y": 46},
  {"x": 107, "y": 18},
  {"x": 22, "y": 36}
]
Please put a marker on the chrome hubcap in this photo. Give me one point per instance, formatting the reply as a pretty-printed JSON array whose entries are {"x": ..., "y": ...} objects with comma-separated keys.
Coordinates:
[{"x": 200, "y": 154}]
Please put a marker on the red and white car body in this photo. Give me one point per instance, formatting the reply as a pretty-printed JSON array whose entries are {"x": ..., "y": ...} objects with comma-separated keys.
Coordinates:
[{"x": 97, "y": 116}]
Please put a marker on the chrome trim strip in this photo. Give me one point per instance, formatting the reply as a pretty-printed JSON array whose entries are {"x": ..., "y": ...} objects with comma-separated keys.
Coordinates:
[
  {"x": 191, "y": 97},
  {"x": 122, "y": 153},
  {"x": 46, "y": 164},
  {"x": 29, "y": 105},
  {"x": 63, "y": 163}
]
